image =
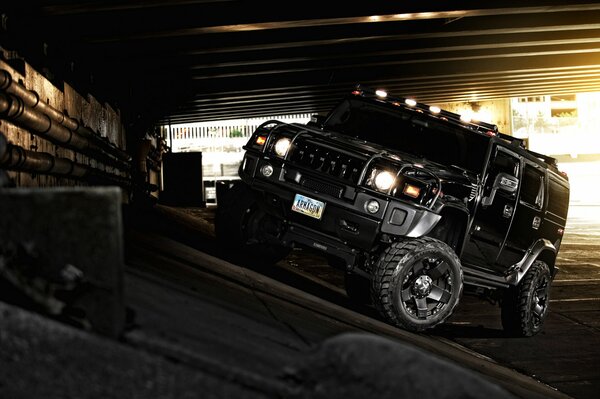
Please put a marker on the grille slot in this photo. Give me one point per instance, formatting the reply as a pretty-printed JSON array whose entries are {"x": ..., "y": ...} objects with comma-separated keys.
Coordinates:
[
  {"x": 326, "y": 160},
  {"x": 473, "y": 193},
  {"x": 321, "y": 187}
]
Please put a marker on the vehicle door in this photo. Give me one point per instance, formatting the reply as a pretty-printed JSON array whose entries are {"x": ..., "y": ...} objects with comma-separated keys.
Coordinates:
[
  {"x": 495, "y": 210},
  {"x": 529, "y": 216}
]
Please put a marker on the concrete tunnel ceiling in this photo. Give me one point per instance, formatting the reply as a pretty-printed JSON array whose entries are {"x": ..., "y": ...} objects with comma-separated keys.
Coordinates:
[{"x": 192, "y": 61}]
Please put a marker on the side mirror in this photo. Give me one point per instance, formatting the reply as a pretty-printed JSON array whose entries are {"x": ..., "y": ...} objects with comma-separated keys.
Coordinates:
[{"x": 504, "y": 182}]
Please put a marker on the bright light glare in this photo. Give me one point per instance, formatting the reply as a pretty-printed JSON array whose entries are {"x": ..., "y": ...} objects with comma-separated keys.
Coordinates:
[
  {"x": 384, "y": 180},
  {"x": 281, "y": 146},
  {"x": 435, "y": 110},
  {"x": 381, "y": 93},
  {"x": 410, "y": 102}
]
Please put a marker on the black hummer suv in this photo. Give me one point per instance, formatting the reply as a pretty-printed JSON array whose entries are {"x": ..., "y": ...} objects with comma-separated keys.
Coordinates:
[{"x": 412, "y": 201}]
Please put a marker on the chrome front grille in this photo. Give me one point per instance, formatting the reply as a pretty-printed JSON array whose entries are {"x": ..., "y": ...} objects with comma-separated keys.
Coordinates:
[{"x": 325, "y": 160}]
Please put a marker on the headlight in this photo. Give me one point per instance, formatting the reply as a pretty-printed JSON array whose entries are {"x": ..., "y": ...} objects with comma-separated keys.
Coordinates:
[
  {"x": 384, "y": 180},
  {"x": 281, "y": 146}
]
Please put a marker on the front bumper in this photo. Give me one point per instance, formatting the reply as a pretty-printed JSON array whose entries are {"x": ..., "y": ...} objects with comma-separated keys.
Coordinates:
[{"x": 346, "y": 227}]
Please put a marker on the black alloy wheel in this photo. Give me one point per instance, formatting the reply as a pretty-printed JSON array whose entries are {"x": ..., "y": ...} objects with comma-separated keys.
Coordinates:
[
  {"x": 417, "y": 283},
  {"x": 525, "y": 307}
]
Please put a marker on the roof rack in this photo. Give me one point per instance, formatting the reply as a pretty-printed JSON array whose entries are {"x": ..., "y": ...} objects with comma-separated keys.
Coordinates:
[
  {"x": 515, "y": 141},
  {"x": 547, "y": 159},
  {"x": 488, "y": 129}
]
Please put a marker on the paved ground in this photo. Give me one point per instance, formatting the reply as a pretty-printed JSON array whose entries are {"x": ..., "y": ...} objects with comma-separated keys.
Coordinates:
[
  {"x": 205, "y": 327},
  {"x": 210, "y": 314},
  {"x": 566, "y": 355},
  {"x": 202, "y": 327}
]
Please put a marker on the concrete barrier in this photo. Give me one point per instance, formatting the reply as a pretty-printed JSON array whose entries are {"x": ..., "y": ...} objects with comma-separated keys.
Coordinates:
[{"x": 63, "y": 249}]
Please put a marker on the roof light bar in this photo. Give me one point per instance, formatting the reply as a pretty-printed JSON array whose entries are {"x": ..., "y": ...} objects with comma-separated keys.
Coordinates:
[
  {"x": 476, "y": 125},
  {"x": 488, "y": 129}
]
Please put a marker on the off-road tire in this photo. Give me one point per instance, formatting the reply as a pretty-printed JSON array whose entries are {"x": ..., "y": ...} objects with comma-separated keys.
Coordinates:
[
  {"x": 399, "y": 282},
  {"x": 525, "y": 307},
  {"x": 238, "y": 223}
]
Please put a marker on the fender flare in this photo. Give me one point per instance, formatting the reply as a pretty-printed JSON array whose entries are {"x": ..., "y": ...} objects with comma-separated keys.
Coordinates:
[{"x": 517, "y": 271}]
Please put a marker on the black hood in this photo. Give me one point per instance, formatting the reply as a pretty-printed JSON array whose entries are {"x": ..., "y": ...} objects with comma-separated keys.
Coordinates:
[{"x": 368, "y": 149}]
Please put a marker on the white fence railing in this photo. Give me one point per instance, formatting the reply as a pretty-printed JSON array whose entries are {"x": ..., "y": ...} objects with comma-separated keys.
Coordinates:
[{"x": 218, "y": 136}]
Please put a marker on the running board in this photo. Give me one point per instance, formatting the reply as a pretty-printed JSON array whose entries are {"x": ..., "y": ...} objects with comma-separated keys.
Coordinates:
[{"x": 485, "y": 280}]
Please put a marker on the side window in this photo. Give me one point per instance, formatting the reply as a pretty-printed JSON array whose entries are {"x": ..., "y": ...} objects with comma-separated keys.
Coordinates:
[
  {"x": 558, "y": 203},
  {"x": 505, "y": 163},
  {"x": 532, "y": 186}
]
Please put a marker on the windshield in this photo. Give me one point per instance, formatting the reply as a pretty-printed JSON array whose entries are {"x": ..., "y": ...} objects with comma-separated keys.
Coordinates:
[{"x": 409, "y": 132}]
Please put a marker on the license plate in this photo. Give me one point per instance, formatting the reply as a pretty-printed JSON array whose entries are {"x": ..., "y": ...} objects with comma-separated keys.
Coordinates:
[{"x": 308, "y": 206}]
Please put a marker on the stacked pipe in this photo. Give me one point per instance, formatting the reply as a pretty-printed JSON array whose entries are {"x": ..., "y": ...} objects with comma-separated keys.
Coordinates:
[
  {"x": 18, "y": 158},
  {"x": 23, "y": 108}
]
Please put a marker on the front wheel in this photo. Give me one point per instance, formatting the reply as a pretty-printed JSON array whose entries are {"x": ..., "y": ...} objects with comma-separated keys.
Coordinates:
[
  {"x": 525, "y": 307},
  {"x": 417, "y": 283}
]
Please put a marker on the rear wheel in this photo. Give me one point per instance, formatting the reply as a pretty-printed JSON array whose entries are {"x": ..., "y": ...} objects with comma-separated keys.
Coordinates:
[
  {"x": 241, "y": 227},
  {"x": 525, "y": 307},
  {"x": 417, "y": 283}
]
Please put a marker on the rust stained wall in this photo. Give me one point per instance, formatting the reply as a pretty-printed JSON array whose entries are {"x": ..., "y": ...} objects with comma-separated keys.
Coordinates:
[{"x": 87, "y": 110}]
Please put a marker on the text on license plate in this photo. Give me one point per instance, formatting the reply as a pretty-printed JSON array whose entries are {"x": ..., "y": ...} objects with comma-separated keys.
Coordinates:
[{"x": 308, "y": 206}]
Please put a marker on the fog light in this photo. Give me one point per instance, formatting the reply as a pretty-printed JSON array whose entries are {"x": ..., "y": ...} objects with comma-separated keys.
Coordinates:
[
  {"x": 266, "y": 170},
  {"x": 372, "y": 206}
]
